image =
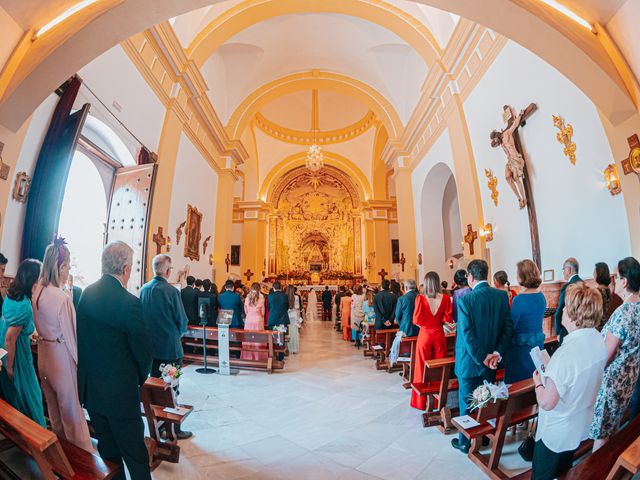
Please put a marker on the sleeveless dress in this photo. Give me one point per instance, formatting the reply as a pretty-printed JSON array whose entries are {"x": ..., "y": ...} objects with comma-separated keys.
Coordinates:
[
  {"x": 312, "y": 306},
  {"x": 431, "y": 343},
  {"x": 294, "y": 332},
  {"x": 254, "y": 320},
  {"x": 23, "y": 392},
  {"x": 345, "y": 317}
]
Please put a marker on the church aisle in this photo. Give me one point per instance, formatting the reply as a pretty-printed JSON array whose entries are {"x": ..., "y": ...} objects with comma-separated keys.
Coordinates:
[{"x": 329, "y": 415}]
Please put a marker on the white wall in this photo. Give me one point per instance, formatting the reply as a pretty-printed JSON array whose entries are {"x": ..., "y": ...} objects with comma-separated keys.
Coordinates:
[
  {"x": 623, "y": 28},
  {"x": 195, "y": 183},
  {"x": 576, "y": 214}
]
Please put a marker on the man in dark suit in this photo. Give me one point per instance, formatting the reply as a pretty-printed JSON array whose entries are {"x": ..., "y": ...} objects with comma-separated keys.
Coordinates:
[
  {"x": 229, "y": 300},
  {"x": 76, "y": 292},
  {"x": 278, "y": 307},
  {"x": 114, "y": 356},
  {"x": 210, "y": 302},
  {"x": 404, "y": 309},
  {"x": 189, "y": 297},
  {"x": 484, "y": 332},
  {"x": 342, "y": 291},
  {"x": 384, "y": 304},
  {"x": 326, "y": 304},
  {"x": 570, "y": 269}
]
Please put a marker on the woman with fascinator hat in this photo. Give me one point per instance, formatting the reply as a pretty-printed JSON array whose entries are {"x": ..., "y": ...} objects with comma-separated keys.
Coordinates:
[{"x": 55, "y": 320}]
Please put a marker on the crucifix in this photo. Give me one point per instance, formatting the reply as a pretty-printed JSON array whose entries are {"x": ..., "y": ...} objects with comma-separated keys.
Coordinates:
[
  {"x": 383, "y": 273},
  {"x": 227, "y": 262},
  {"x": 470, "y": 238},
  {"x": 248, "y": 274},
  {"x": 402, "y": 261},
  {"x": 160, "y": 240},
  {"x": 516, "y": 173}
]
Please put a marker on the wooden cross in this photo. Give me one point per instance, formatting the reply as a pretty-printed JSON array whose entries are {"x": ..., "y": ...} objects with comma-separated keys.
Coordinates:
[
  {"x": 227, "y": 262},
  {"x": 248, "y": 274},
  {"x": 470, "y": 238},
  {"x": 528, "y": 192},
  {"x": 383, "y": 274},
  {"x": 160, "y": 240},
  {"x": 402, "y": 261}
]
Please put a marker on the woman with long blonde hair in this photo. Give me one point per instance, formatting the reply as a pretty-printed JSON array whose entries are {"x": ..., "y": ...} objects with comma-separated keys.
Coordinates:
[
  {"x": 254, "y": 320},
  {"x": 55, "y": 320},
  {"x": 432, "y": 310}
]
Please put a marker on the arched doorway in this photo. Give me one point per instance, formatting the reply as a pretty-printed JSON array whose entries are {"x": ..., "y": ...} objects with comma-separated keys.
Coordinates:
[{"x": 441, "y": 224}]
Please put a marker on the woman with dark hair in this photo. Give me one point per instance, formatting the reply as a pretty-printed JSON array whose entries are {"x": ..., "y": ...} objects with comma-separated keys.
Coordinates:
[
  {"x": 622, "y": 341},
  {"x": 18, "y": 377},
  {"x": 345, "y": 315},
  {"x": 295, "y": 306},
  {"x": 395, "y": 288},
  {"x": 610, "y": 299},
  {"x": 460, "y": 290},
  {"x": 432, "y": 310},
  {"x": 501, "y": 282}
]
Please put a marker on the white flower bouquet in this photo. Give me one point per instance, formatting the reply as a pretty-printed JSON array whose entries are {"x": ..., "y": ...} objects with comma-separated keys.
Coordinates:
[
  {"x": 170, "y": 374},
  {"x": 487, "y": 392},
  {"x": 279, "y": 332}
]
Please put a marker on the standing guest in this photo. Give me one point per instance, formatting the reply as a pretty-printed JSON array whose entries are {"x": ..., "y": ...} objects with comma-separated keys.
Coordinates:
[
  {"x": 278, "y": 304},
  {"x": 357, "y": 315},
  {"x": 18, "y": 377},
  {"x": 312, "y": 306},
  {"x": 501, "y": 282},
  {"x": 610, "y": 299},
  {"x": 293, "y": 312},
  {"x": 345, "y": 316},
  {"x": 432, "y": 310},
  {"x": 622, "y": 342},
  {"x": 337, "y": 299},
  {"x": 254, "y": 320},
  {"x": 460, "y": 290},
  {"x": 384, "y": 304},
  {"x": 326, "y": 304},
  {"x": 527, "y": 313},
  {"x": 570, "y": 270},
  {"x": 55, "y": 321},
  {"x": 405, "y": 307},
  {"x": 395, "y": 288},
  {"x": 210, "y": 302},
  {"x": 198, "y": 285},
  {"x": 114, "y": 357},
  {"x": 230, "y": 300},
  {"x": 483, "y": 335},
  {"x": 3, "y": 267},
  {"x": 189, "y": 297},
  {"x": 367, "y": 307},
  {"x": 444, "y": 284},
  {"x": 74, "y": 291},
  {"x": 572, "y": 378}
]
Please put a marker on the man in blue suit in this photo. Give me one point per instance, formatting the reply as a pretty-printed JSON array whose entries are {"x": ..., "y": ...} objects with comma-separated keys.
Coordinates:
[
  {"x": 165, "y": 318},
  {"x": 484, "y": 332},
  {"x": 404, "y": 309},
  {"x": 278, "y": 304},
  {"x": 230, "y": 300},
  {"x": 570, "y": 270}
]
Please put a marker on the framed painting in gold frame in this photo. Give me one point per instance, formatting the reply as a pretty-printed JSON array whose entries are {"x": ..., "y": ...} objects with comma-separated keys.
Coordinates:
[{"x": 193, "y": 233}]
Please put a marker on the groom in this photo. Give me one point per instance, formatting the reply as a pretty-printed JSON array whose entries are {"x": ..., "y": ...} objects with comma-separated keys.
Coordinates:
[{"x": 484, "y": 332}]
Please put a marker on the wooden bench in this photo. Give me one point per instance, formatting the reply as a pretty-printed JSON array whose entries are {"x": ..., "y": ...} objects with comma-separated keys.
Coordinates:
[
  {"x": 385, "y": 339},
  {"x": 155, "y": 396},
  {"x": 409, "y": 367},
  {"x": 55, "y": 457},
  {"x": 268, "y": 348}
]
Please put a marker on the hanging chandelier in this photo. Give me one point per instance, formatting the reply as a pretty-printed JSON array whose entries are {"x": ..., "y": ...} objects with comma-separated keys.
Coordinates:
[{"x": 315, "y": 158}]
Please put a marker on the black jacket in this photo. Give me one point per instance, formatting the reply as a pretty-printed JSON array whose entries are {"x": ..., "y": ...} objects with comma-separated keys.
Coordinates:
[
  {"x": 384, "y": 304},
  {"x": 189, "y": 297},
  {"x": 278, "y": 304},
  {"x": 209, "y": 299}
]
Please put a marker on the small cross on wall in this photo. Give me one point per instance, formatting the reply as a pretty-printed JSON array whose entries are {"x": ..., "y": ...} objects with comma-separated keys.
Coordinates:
[
  {"x": 470, "y": 238},
  {"x": 383, "y": 273},
  {"x": 160, "y": 240},
  {"x": 248, "y": 274},
  {"x": 227, "y": 262}
]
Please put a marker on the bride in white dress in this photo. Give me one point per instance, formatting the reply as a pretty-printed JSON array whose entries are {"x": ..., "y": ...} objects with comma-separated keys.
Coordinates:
[{"x": 312, "y": 306}]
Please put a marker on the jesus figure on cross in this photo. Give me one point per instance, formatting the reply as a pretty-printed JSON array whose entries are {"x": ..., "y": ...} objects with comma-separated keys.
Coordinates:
[{"x": 514, "y": 170}]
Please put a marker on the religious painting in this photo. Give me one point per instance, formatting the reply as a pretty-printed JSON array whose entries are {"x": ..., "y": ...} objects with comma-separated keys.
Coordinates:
[
  {"x": 235, "y": 255},
  {"x": 193, "y": 233},
  {"x": 395, "y": 251},
  {"x": 548, "y": 276}
]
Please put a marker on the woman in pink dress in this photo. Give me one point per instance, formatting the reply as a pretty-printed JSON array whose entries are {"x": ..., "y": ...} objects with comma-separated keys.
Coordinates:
[
  {"x": 254, "y": 320},
  {"x": 55, "y": 320}
]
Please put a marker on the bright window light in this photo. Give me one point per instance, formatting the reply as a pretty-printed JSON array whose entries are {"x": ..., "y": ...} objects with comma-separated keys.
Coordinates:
[
  {"x": 63, "y": 16},
  {"x": 566, "y": 11}
]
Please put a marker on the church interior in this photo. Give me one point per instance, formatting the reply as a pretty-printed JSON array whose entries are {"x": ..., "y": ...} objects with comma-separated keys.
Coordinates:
[{"x": 320, "y": 144}]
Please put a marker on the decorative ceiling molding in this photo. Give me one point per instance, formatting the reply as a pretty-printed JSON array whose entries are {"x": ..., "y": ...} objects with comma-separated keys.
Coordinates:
[{"x": 300, "y": 137}]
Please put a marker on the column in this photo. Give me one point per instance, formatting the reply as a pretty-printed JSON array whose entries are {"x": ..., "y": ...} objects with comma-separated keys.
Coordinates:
[
  {"x": 377, "y": 238},
  {"x": 254, "y": 240},
  {"x": 224, "y": 221},
  {"x": 406, "y": 219}
]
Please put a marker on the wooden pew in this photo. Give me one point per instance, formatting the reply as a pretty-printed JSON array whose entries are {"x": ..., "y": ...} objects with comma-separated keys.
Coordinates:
[
  {"x": 406, "y": 347},
  {"x": 384, "y": 338},
  {"x": 368, "y": 341},
  {"x": 155, "y": 396},
  {"x": 55, "y": 457},
  {"x": 268, "y": 348},
  {"x": 627, "y": 464},
  {"x": 409, "y": 367},
  {"x": 519, "y": 407}
]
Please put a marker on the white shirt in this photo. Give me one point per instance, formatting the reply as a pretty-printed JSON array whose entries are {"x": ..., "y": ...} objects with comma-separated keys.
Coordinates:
[
  {"x": 576, "y": 369},
  {"x": 479, "y": 283}
]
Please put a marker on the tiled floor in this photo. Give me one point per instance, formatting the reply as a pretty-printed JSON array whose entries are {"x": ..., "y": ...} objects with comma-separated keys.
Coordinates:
[{"x": 328, "y": 415}]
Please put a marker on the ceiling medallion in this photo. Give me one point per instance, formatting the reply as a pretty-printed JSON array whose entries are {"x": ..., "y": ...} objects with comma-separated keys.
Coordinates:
[{"x": 315, "y": 158}]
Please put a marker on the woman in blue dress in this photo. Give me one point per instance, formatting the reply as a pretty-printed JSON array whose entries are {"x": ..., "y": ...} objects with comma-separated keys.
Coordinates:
[
  {"x": 527, "y": 312},
  {"x": 18, "y": 377}
]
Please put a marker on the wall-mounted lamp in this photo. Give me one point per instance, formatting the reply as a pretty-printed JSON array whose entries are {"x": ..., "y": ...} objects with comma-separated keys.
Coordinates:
[
  {"x": 211, "y": 259},
  {"x": 613, "y": 179},
  {"x": 168, "y": 244},
  {"x": 486, "y": 232}
]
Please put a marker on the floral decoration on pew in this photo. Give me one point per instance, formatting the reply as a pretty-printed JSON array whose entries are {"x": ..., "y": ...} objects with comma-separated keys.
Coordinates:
[
  {"x": 487, "y": 392},
  {"x": 170, "y": 373},
  {"x": 279, "y": 331}
]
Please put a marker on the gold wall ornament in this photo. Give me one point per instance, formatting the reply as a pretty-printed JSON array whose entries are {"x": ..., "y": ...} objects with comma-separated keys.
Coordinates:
[
  {"x": 564, "y": 136},
  {"x": 179, "y": 232},
  {"x": 205, "y": 244},
  {"x": 492, "y": 184}
]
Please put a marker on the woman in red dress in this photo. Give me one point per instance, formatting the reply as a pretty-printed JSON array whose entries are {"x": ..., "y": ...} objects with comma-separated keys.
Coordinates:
[{"x": 432, "y": 309}]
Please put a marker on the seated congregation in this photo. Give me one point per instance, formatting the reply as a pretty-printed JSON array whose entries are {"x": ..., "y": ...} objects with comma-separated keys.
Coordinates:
[{"x": 584, "y": 398}]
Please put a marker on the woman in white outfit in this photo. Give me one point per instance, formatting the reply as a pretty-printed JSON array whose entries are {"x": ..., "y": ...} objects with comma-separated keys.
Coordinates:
[
  {"x": 312, "y": 306},
  {"x": 295, "y": 305}
]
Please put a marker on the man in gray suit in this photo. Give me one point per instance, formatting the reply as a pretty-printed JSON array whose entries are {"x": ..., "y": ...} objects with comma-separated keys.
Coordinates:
[
  {"x": 570, "y": 270},
  {"x": 165, "y": 318}
]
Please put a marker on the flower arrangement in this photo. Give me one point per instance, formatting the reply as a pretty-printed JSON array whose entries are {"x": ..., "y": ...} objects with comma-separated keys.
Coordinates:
[
  {"x": 279, "y": 331},
  {"x": 170, "y": 373},
  {"x": 486, "y": 392}
]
